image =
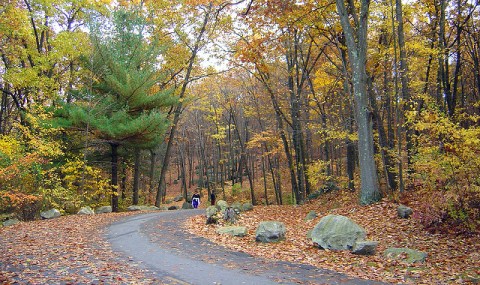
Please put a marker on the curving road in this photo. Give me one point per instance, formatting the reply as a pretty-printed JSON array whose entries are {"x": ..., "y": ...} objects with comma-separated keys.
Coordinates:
[{"x": 176, "y": 257}]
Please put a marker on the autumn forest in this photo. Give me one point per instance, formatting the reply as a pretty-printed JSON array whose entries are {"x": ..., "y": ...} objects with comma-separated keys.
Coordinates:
[{"x": 274, "y": 102}]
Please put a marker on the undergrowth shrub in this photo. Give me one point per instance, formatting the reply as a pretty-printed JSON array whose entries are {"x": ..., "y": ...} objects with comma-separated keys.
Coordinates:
[
  {"x": 446, "y": 166},
  {"x": 24, "y": 206}
]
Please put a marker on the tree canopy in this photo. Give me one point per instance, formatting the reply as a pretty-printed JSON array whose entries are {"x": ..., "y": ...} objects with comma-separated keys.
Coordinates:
[{"x": 267, "y": 101}]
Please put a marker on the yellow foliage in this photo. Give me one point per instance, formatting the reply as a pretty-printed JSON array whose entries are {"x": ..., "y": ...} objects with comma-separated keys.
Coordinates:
[
  {"x": 85, "y": 181},
  {"x": 316, "y": 172},
  {"x": 9, "y": 147},
  {"x": 447, "y": 163}
]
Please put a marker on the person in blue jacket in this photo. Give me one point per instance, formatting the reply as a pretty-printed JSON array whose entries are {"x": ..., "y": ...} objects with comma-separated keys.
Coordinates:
[{"x": 196, "y": 200}]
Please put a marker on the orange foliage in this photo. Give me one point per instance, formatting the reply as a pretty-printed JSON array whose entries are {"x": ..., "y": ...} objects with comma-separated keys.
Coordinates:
[{"x": 25, "y": 206}]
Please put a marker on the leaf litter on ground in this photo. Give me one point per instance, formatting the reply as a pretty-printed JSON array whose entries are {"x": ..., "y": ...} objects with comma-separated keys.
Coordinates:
[
  {"x": 67, "y": 250},
  {"x": 451, "y": 259}
]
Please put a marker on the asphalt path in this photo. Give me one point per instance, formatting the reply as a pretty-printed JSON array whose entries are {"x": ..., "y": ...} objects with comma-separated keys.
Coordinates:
[{"x": 159, "y": 243}]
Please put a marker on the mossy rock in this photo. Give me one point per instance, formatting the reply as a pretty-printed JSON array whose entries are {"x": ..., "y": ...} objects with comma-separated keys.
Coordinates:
[{"x": 406, "y": 254}]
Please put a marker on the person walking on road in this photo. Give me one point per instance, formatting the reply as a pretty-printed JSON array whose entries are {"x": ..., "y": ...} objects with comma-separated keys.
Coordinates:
[{"x": 196, "y": 200}]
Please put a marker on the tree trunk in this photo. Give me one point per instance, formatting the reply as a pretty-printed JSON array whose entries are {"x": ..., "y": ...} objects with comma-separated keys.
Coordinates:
[
  {"x": 114, "y": 179},
  {"x": 243, "y": 157},
  {"x": 136, "y": 177},
  {"x": 356, "y": 42},
  {"x": 183, "y": 172},
  {"x": 264, "y": 180},
  {"x": 179, "y": 107},
  {"x": 405, "y": 81},
  {"x": 151, "y": 175}
]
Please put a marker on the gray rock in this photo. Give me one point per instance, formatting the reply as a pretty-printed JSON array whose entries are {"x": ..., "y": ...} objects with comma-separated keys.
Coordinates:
[
  {"x": 404, "y": 212},
  {"x": 50, "y": 214},
  {"x": 211, "y": 211},
  {"x": 10, "y": 222},
  {"x": 86, "y": 211},
  {"x": 230, "y": 215},
  {"x": 270, "y": 231},
  {"x": 163, "y": 208},
  {"x": 237, "y": 206},
  {"x": 311, "y": 216},
  {"x": 337, "y": 232},
  {"x": 172, "y": 208},
  {"x": 142, "y": 208},
  {"x": 247, "y": 206},
  {"x": 103, "y": 210},
  {"x": 366, "y": 247},
  {"x": 233, "y": 230},
  {"x": 406, "y": 254},
  {"x": 309, "y": 234},
  {"x": 222, "y": 205},
  {"x": 187, "y": 205},
  {"x": 178, "y": 198}
]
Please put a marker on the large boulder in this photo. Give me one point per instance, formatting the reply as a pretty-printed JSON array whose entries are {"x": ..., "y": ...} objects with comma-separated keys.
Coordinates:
[
  {"x": 50, "y": 214},
  {"x": 404, "y": 212},
  {"x": 86, "y": 211},
  {"x": 337, "y": 232},
  {"x": 270, "y": 231},
  {"x": 233, "y": 230},
  {"x": 406, "y": 254},
  {"x": 142, "y": 208},
  {"x": 366, "y": 247},
  {"x": 103, "y": 210},
  {"x": 222, "y": 205}
]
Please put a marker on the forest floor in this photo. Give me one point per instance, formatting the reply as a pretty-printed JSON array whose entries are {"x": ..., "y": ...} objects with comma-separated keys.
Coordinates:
[
  {"x": 67, "y": 250},
  {"x": 73, "y": 249},
  {"x": 451, "y": 259}
]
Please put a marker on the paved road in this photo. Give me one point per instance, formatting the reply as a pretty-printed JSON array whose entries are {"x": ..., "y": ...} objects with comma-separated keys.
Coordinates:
[{"x": 176, "y": 257}]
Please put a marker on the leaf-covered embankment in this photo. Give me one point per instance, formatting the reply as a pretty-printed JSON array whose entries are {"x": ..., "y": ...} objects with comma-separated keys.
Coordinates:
[{"x": 451, "y": 259}]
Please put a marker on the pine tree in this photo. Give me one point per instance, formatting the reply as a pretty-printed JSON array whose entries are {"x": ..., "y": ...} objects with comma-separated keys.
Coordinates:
[{"x": 125, "y": 100}]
